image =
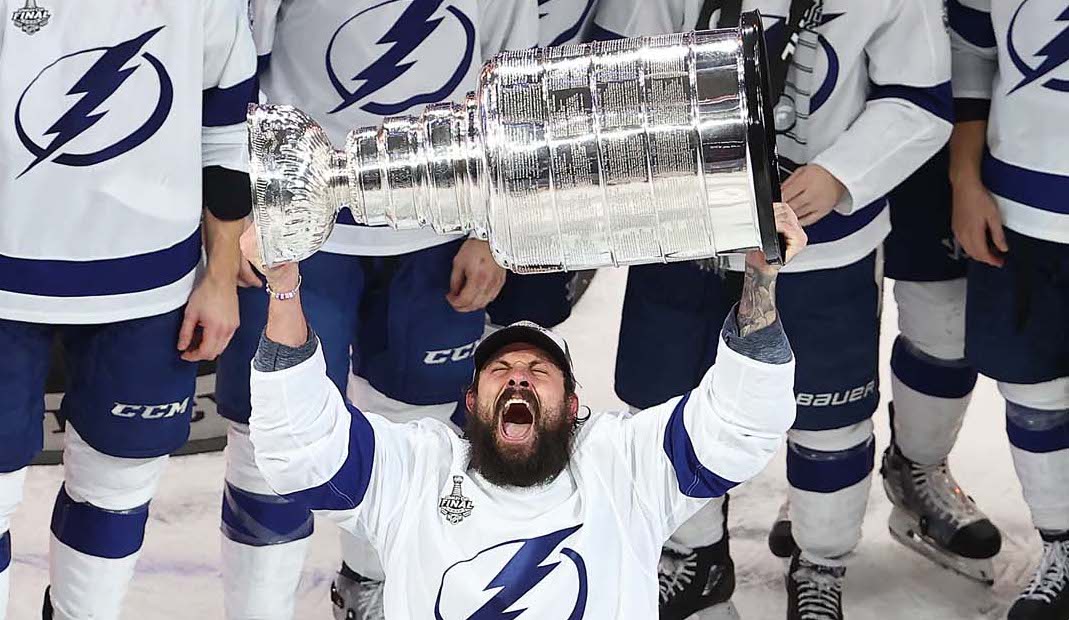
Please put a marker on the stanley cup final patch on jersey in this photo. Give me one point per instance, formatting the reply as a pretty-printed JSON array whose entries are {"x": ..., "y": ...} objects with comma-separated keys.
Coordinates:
[
  {"x": 31, "y": 18},
  {"x": 455, "y": 507}
]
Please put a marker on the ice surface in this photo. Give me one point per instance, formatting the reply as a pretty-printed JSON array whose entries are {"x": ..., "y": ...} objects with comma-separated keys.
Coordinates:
[{"x": 178, "y": 574}]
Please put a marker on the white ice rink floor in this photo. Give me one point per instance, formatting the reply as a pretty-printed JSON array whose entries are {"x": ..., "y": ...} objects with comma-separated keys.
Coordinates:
[{"x": 178, "y": 573}]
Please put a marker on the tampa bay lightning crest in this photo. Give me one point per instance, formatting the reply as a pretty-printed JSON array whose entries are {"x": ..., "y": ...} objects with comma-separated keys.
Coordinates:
[
  {"x": 1047, "y": 65},
  {"x": 102, "y": 120},
  {"x": 420, "y": 59},
  {"x": 568, "y": 17},
  {"x": 527, "y": 579}
]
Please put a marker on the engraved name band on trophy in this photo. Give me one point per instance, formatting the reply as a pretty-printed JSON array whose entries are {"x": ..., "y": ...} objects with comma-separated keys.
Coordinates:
[{"x": 640, "y": 150}]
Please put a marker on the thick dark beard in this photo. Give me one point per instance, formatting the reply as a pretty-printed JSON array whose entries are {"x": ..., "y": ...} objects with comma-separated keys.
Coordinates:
[{"x": 552, "y": 451}]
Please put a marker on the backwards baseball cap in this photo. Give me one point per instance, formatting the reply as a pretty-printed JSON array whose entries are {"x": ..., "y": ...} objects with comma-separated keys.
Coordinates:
[{"x": 528, "y": 333}]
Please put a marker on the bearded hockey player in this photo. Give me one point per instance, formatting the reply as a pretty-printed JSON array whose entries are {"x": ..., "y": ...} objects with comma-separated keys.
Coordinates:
[
  {"x": 124, "y": 127},
  {"x": 865, "y": 101},
  {"x": 537, "y": 511},
  {"x": 402, "y": 309},
  {"x": 1010, "y": 176}
]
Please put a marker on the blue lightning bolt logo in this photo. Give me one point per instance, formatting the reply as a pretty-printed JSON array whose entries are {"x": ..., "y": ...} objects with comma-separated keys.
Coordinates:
[
  {"x": 414, "y": 26},
  {"x": 96, "y": 86},
  {"x": 1055, "y": 53},
  {"x": 525, "y": 570}
]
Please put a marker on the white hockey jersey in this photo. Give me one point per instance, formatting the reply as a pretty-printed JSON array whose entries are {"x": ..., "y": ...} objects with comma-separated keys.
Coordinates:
[
  {"x": 1016, "y": 54},
  {"x": 109, "y": 110},
  {"x": 583, "y": 546},
  {"x": 349, "y": 64},
  {"x": 870, "y": 81},
  {"x": 564, "y": 21}
]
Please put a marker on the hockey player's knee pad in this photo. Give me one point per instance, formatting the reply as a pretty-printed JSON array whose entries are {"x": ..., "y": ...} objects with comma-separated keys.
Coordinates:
[
  {"x": 931, "y": 316},
  {"x": 827, "y": 461}
]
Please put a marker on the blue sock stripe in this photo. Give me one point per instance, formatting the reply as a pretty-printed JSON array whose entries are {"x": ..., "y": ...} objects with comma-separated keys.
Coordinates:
[
  {"x": 260, "y": 520},
  {"x": 1035, "y": 430},
  {"x": 94, "y": 531},
  {"x": 5, "y": 551},
  {"x": 693, "y": 478},
  {"x": 929, "y": 375},
  {"x": 827, "y": 472}
]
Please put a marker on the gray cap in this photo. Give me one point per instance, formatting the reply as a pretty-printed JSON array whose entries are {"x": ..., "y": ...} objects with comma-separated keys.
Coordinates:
[{"x": 529, "y": 333}]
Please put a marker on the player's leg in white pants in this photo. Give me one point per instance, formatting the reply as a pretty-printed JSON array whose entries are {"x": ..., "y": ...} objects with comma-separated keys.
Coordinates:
[
  {"x": 98, "y": 525},
  {"x": 264, "y": 537},
  {"x": 829, "y": 474},
  {"x": 1037, "y": 422},
  {"x": 11, "y": 484},
  {"x": 931, "y": 383}
]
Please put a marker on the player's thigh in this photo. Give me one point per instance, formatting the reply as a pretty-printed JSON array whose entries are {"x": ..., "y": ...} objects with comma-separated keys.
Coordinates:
[
  {"x": 23, "y": 371},
  {"x": 1017, "y": 315},
  {"x": 413, "y": 346},
  {"x": 232, "y": 369},
  {"x": 831, "y": 317},
  {"x": 542, "y": 298},
  {"x": 921, "y": 245},
  {"x": 669, "y": 330},
  {"x": 130, "y": 394},
  {"x": 331, "y": 290}
]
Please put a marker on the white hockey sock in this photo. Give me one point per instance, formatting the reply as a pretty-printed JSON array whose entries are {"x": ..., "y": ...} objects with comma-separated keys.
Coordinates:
[
  {"x": 931, "y": 383},
  {"x": 829, "y": 489},
  {"x": 10, "y": 497},
  {"x": 706, "y": 527},
  {"x": 1039, "y": 443},
  {"x": 265, "y": 539}
]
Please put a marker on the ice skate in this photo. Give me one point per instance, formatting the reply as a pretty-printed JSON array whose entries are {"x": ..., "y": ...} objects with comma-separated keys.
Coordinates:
[
  {"x": 356, "y": 597},
  {"x": 697, "y": 584},
  {"x": 814, "y": 591},
  {"x": 780, "y": 539},
  {"x": 935, "y": 518},
  {"x": 1047, "y": 595}
]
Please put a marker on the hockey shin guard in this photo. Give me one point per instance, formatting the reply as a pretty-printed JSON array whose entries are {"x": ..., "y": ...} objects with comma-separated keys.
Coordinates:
[
  {"x": 829, "y": 473},
  {"x": 265, "y": 539}
]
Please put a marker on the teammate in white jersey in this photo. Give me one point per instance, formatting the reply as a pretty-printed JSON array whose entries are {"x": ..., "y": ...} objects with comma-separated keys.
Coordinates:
[
  {"x": 538, "y": 511},
  {"x": 1010, "y": 175},
  {"x": 123, "y": 138},
  {"x": 866, "y": 101},
  {"x": 402, "y": 309}
]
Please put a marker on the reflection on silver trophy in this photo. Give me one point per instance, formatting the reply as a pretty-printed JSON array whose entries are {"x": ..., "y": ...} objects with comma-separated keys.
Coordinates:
[{"x": 640, "y": 150}]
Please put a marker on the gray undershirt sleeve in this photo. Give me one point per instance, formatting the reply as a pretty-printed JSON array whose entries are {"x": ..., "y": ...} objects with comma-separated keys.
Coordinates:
[
  {"x": 272, "y": 356},
  {"x": 768, "y": 345}
]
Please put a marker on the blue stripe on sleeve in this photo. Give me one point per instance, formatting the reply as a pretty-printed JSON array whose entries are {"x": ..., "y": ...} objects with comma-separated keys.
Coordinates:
[
  {"x": 1040, "y": 190},
  {"x": 937, "y": 100},
  {"x": 228, "y": 106},
  {"x": 346, "y": 489},
  {"x": 827, "y": 472},
  {"x": 931, "y": 376},
  {"x": 96, "y": 278},
  {"x": 974, "y": 26},
  {"x": 693, "y": 478},
  {"x": 597, "y": 33},
  {"x": 94, "y": 531}
]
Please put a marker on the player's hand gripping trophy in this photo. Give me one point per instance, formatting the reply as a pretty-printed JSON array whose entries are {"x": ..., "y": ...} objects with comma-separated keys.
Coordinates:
[{"x": 574, "y": 157}]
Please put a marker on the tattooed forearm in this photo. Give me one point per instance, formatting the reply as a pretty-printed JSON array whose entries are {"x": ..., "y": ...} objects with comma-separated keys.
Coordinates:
[{"x": 757, "y": 308}]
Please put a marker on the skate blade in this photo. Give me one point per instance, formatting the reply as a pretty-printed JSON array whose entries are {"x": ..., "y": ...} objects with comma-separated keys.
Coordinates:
[
  {"x": 720, "y": 611},
  {"x": 906, "y": 530}
]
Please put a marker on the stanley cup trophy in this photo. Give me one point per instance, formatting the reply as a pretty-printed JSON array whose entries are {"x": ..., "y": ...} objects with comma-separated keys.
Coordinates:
[{"x": 641, "y": 150}]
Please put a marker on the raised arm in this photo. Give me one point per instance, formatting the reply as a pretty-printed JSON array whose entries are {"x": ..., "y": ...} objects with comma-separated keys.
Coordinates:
[{"x": 724, "y": 431}]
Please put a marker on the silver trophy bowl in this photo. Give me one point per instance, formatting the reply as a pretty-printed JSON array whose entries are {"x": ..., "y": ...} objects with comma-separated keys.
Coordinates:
[{"x": 643, "y": 150}]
